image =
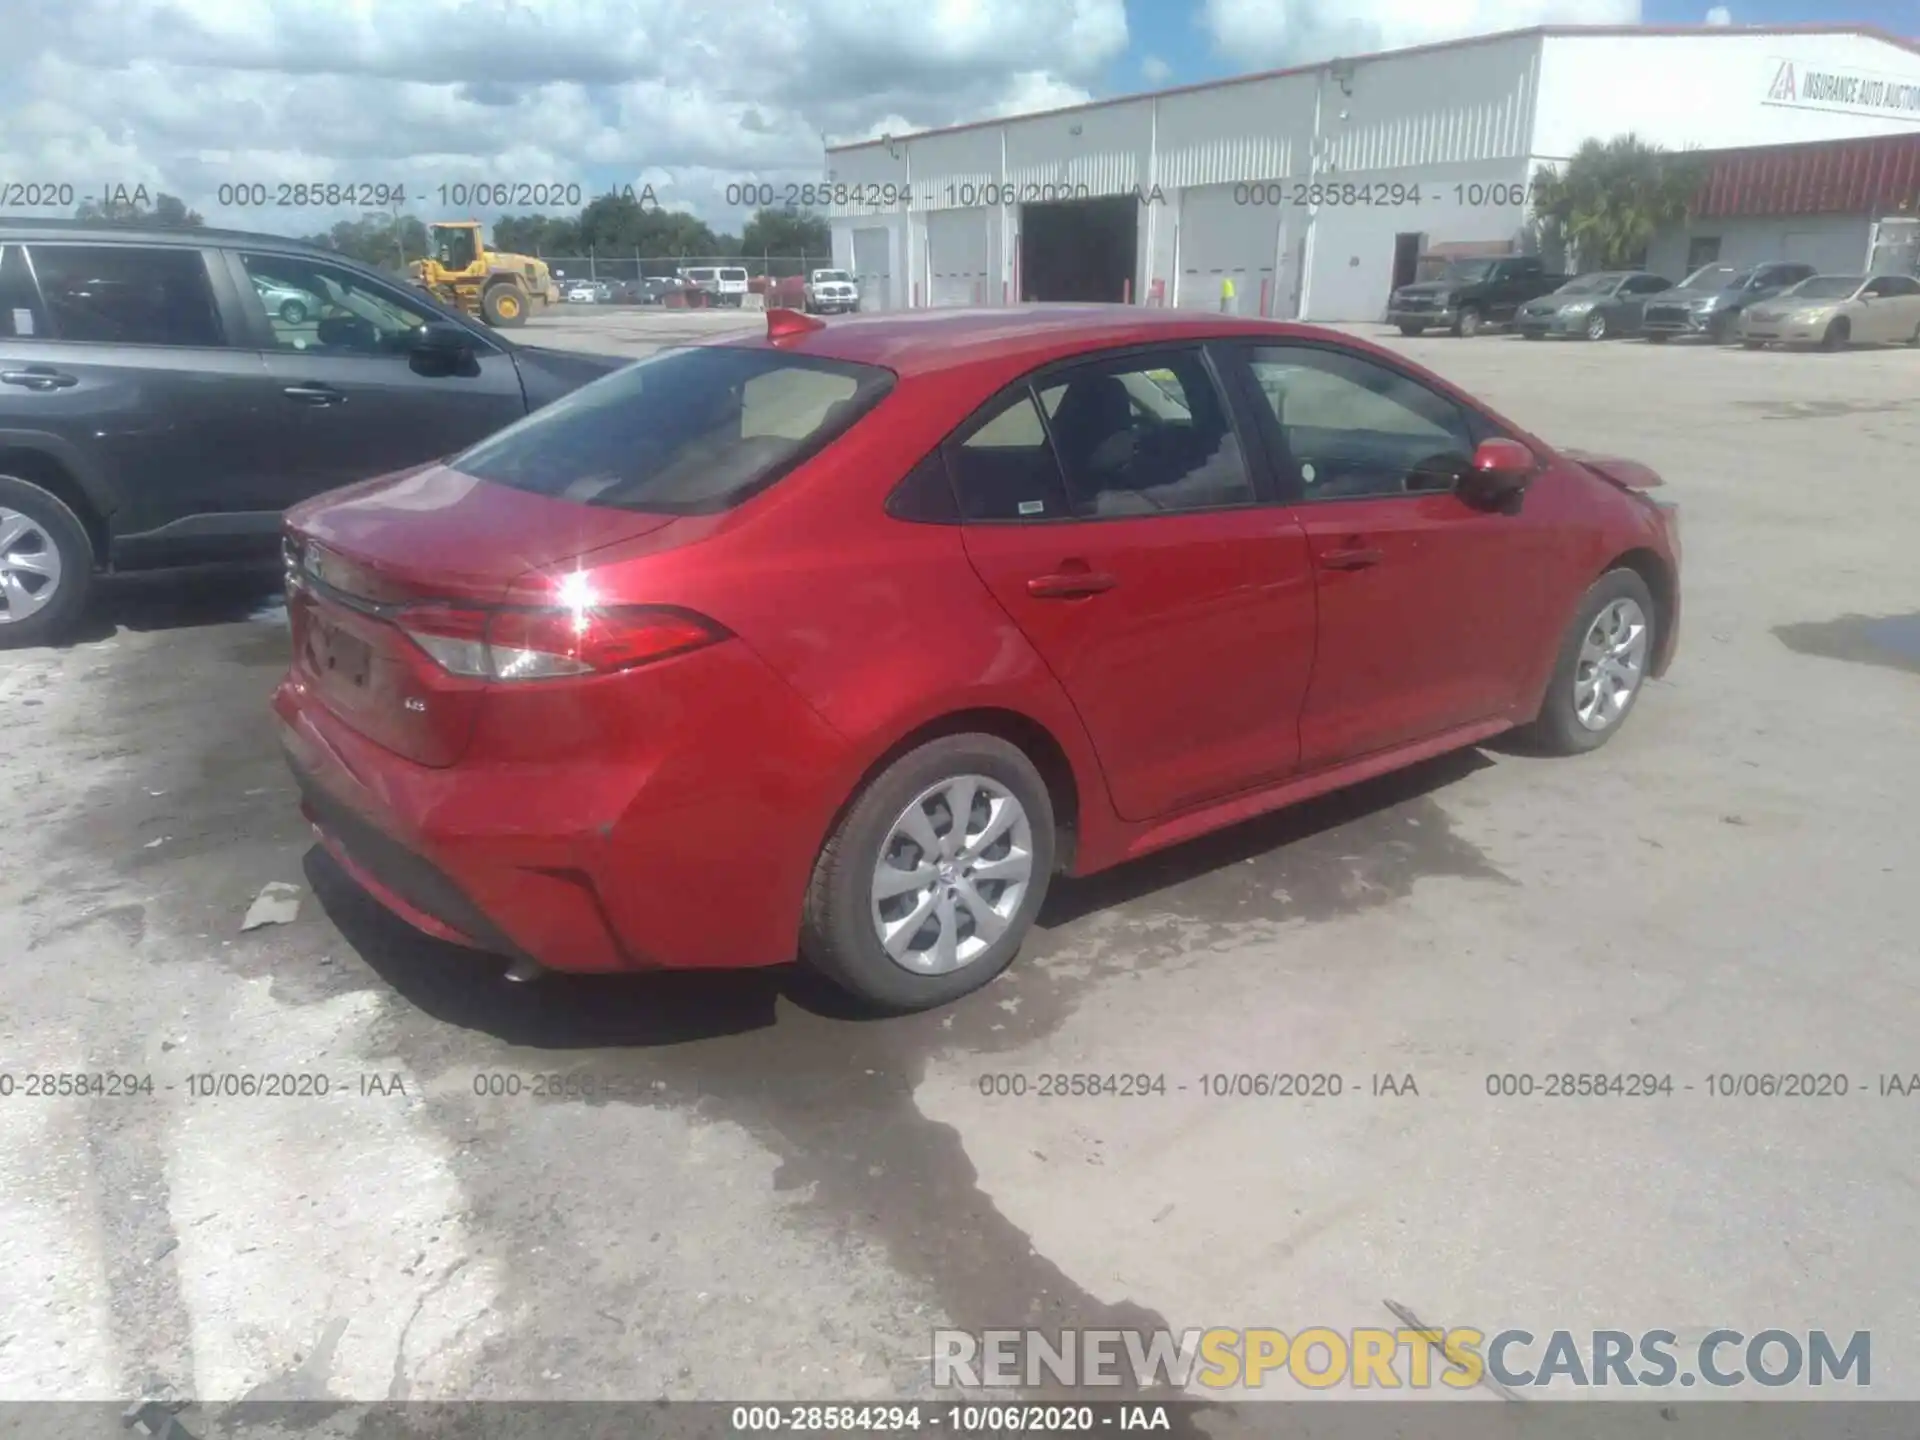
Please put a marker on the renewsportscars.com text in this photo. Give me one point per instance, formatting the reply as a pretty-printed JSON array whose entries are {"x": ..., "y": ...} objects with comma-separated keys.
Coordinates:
[{"x": 1320, "y": 1358}]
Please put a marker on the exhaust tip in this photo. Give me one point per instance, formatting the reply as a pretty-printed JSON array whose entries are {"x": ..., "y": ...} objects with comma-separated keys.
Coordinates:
[{"x": 521, "y": 971}]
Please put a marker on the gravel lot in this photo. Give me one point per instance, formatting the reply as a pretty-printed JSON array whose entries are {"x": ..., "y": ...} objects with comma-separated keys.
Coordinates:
[{"x": 774, "y": 1200}]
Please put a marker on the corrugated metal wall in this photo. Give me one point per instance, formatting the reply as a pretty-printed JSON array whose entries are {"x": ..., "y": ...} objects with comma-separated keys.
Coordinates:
[
  {"x": 1460, "y": 115},
  {"x": 1853, "y": 177}
]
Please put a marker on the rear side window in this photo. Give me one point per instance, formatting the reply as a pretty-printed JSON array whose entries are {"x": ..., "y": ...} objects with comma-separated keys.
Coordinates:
[
  {"x": 21, "y": 316},
  {"x": 1003, "y": 468},
  {"x": 127, "y": 295},
  {"x": 686, "y": 432}
]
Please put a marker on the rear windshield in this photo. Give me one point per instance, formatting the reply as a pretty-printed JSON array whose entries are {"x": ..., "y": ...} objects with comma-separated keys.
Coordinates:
[
  {"x": 684, "y": 432},
  {"x": 733, "y": 274}
]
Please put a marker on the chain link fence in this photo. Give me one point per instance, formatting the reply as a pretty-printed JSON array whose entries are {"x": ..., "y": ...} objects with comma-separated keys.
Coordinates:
[{"x": 614, "y": 267}]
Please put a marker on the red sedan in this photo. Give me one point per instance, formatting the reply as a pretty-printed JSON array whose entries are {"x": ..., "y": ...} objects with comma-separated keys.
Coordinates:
[{"x": 843, "y": 640}]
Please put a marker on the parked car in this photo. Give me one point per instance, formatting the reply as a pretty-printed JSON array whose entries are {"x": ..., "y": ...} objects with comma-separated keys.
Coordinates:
[
  {"x": 295, "y": 307},
  {"x": 1835, "y": 311},
  {"x": 582, "y": 292},
  {"x": 1471, "y": 293},
  {"x": 722, "y": 284},
  {"x": 158, "y": 407},
  {"x": 1592, "y": 307},
  {"x": 831, "y": 292},
  {"x": 549, "y": 697},
  {"x": 1710, "y": 300}
]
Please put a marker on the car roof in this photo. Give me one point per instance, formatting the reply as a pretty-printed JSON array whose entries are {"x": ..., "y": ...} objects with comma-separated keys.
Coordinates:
[
  {"x": 923, "y": 342},
  {"x": 30, "y": 228}
]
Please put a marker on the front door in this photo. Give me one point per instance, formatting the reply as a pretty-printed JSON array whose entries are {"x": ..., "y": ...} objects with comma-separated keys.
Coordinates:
[
  {"x": 1427, "y": 606},
  {"x": 1112, "y": 510},
  {"x": 339, "y": 349}
]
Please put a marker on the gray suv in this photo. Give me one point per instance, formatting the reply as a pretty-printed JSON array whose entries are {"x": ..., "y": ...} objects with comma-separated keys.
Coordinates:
[
  {"x": 1710, "y": 301},
  {"x": 162, "y": 402}
]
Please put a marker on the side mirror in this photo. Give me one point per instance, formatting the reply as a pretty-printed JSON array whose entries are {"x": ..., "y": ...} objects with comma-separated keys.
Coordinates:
[
  {"x": 1499, "y": 474},
  {"x": 439, "y": 348}
]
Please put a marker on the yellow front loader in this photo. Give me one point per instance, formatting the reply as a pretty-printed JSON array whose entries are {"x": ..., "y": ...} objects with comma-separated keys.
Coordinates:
[{"x": 500, "y": 287}]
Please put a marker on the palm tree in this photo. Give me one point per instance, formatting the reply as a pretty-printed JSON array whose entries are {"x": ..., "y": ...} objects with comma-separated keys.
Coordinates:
[{"x": 1613, "y": 197}]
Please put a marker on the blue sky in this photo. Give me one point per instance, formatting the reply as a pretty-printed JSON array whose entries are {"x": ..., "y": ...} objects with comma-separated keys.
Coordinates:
[{"x": 1170, "y": 44}]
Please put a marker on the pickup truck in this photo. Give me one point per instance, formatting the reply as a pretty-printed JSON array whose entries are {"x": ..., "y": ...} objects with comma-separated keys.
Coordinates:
[
  {"x": 1472, "y": 293},
  {"x": 831, "y": 292}
]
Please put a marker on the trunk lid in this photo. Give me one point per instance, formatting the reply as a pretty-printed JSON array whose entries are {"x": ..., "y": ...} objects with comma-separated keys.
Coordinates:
[{"x": 358, "y": 556}]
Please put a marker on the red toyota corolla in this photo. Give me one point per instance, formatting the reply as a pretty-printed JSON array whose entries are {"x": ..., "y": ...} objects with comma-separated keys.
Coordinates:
[{"x": 843, "y": 640}]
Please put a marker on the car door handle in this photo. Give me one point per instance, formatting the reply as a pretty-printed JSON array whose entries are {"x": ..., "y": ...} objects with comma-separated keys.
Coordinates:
[
  {"x": 314, "y": 394},
  {"x": 1070, "y": 585},
  {"x": 1355, "y": 559},
  {"x": 38, "y": 377}
]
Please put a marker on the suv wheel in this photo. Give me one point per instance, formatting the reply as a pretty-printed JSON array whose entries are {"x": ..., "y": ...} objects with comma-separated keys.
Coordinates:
[
  {"x": 46, "y": 565},
  {"x": 1468, "y": 325},
  {"x": 934, "y": 876},
  {"x": 1603, "y": 663}
]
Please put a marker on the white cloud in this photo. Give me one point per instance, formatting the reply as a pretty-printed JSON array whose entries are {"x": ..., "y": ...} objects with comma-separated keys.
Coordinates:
[
  {"x": 185, "y": 95},
  {"x": 1155, "y": 70},
  {"x": 1719, "y": 15},
  {"x": 1258, "y": 33}
]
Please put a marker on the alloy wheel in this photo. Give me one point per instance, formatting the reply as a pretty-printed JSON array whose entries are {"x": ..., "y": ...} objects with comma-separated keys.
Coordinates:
[
  {"x": 29, "y": 566},
  {"x": 1613, "y": 661},
  {"x": 951, "y": 874},
  {"x": 1597, "y": 327}
]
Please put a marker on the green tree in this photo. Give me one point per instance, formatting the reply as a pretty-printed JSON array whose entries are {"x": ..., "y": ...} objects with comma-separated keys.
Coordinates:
[
  {"x": 377, "y": 238},
  {"x": 1613, "y": 197},
  {"x": 167, "y": 210},
  {"x": 538, "y": 235},
  {"x": 786, "y": 232}
]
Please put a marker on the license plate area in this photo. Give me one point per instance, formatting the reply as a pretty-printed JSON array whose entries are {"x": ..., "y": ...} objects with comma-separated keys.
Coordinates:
[{"x": 340, "y": 657}]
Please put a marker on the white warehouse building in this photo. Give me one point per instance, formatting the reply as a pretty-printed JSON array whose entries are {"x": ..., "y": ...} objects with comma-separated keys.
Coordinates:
[{"x": 1311, "y": 193}]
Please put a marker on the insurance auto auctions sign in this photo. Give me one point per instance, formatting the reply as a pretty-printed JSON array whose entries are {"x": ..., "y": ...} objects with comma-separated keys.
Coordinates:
[{"x": 1852, "y": 92}]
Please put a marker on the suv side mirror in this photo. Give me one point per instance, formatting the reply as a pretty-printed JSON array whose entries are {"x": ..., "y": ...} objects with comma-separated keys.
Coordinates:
[
  {"x": 1498, "y": 474},
  {"x": 440, "y": 348}
]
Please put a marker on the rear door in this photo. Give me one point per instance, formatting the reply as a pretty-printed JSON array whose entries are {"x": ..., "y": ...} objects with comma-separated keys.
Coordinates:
[
  {"x": 124, "y": 353},
  {"x": 1430, "y": 609},
  {"x": 350, "y": 399},
  {"x": 1113, "y": 510}
]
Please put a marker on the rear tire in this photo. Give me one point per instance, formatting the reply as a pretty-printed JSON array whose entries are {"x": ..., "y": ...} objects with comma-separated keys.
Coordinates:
[
  {"x": 46, "y": 565},
  {"x": 1657, "y": 339},
  {"x": 1411, "y": 330},
  {"x": 841, "y": 927},
  {"x": 504, "y": 307},
  {"x": 1838, "y": 333},
  {"x": 1597, "y": 653},
  {"x": 1597, "y": 327},
  {"x": 293, "y": 312}
]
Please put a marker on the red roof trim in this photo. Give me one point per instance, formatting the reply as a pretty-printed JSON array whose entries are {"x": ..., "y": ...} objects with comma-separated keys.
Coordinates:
[
  {"x": 1878, "y": 175},
  {"x": 1866, "y": 32}
]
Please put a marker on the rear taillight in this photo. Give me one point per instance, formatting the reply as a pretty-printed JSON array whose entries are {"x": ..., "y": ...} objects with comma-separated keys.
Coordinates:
[{"x": 549, "y": 642}]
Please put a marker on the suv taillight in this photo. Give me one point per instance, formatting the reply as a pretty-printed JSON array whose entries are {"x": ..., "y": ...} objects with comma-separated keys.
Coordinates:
[{"x": 550, "y": 642}]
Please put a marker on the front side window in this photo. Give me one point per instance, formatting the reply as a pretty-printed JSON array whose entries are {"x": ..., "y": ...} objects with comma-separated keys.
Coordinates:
[
  {"x": 1145, "y": 437},
  {"x": 1827, "y": 287},
  {"x": 684, "y": 432},
  {"x": 1353, "y": 428},
  {"x": 1647, "y": 285},
  {"x": 127, "y": 295},
  {"x": 1894, "y": 285},
  {"x": 314, "y": 307}
]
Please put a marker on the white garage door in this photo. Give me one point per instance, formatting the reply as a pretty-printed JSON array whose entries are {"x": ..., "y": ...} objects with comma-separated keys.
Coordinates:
[
  {"x": 873, "y": 268},
  {"x": 1225, "y": 238},
  {"x": 958, "y": 255}
]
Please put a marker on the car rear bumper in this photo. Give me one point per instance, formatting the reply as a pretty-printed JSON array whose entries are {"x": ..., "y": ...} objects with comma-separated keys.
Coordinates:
[{"x": 643, "y": 835}]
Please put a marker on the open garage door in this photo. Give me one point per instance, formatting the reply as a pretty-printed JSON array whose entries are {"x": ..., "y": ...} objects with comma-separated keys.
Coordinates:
[
  {"x": 873, "y": 268},
  {"x": 958, "y": 252},
  {"x": 1226, "y": 237},
  {"x": 1080, "y": 250}
]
